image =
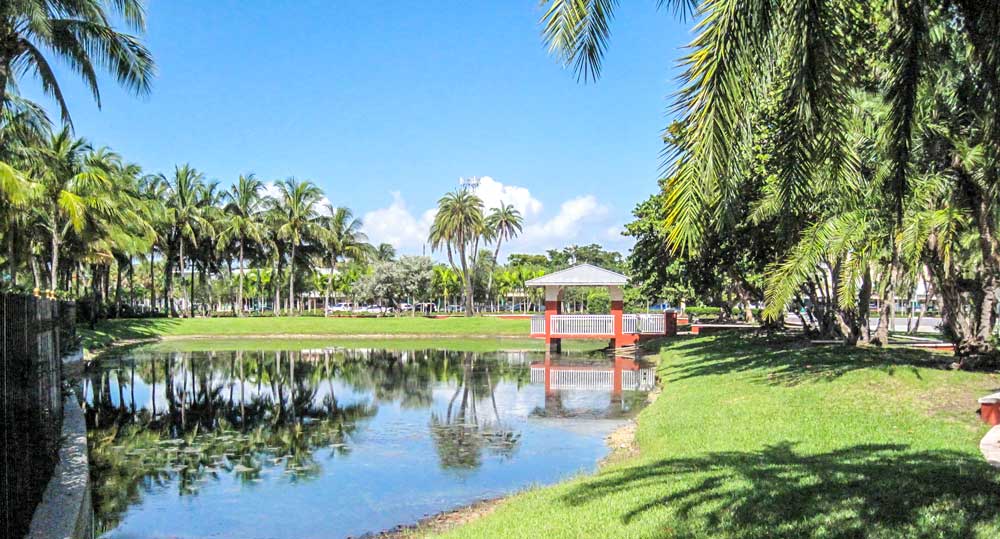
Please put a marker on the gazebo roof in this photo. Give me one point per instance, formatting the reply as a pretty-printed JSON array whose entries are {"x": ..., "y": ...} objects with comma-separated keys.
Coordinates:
[{"x": 580, "y": 275}]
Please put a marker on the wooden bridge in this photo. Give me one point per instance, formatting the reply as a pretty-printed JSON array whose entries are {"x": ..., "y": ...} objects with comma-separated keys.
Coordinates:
[{"x": 620, "y": 328}]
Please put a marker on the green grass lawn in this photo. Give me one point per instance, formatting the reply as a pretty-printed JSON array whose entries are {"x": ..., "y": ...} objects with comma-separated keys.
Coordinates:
[
  {"x": 479, "y": 344},
  {"x": 109, "y": 331},
  {"x": 754, "y": 439}
]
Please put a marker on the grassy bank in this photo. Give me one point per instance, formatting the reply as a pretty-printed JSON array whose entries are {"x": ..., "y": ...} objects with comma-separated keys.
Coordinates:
[
  {"x": 109, "y": 331},
  {"x": 750, "y": 439}
]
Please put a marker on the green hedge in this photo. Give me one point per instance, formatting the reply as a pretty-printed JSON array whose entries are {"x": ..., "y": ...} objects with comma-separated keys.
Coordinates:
[{"x": 698, "y": 312}]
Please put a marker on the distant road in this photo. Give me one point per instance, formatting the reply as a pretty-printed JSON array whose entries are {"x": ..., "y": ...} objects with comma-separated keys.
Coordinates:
[{"x": 927, "y": 324}]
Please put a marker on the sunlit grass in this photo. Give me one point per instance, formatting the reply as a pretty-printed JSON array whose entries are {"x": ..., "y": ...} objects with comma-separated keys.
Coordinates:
[
  {"x": 753, "y": 439},
  {"x": 109, "y": 331}
]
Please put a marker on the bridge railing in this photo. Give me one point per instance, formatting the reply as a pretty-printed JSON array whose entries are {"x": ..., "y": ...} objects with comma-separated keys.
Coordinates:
[
  {"x": 538, "y": 325},
  {"x": 585, "y": 324}
]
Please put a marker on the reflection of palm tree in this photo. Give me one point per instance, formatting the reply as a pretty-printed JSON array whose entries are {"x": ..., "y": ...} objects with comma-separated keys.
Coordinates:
[
  {"x": 277, "y": 418},
  {"x": 461, "y": 438},
  {"x": 195, "y": 439}
]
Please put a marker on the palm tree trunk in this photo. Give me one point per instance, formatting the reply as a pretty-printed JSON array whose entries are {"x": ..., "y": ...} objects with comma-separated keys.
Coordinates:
[
  {"x": 11, "y": 255},
  {"x": 180, "y": 265},
  {"x": 152, "y": 282},
  {"x": 118, "y": 287},
  {"x": 291, "y": 282},
  {"x": 489, "y": 286},
  {"x": 54, "y": 279},
  {"x": 239, "y": 291},
  {"x": 275, "y": 281},
  {"x": 93, "y": 295},
  {"x": 131, "y": 282},
  {"x": 329, "y": 284},
  {"x": 191, "y": 289}
]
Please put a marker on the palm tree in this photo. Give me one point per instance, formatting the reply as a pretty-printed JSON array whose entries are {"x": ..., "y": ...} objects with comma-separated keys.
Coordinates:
[
  {"x": 296, "y": 206},
  {"x": 74, "y": 183},
  {"x": 153, "y": 189},
  {"x": 444, "y": 280},
  {"x": 503, "y": 223},
  {"x": 385, "y": 252},
  {"x": 23, "y": 128},
  {"x": 79, "y": 33},
  {"x": 458, "y": 227},
  {"x": 185, "y": 205},
  {"x": 242, "y": 222},
  {"x": 342, "y": 239}
]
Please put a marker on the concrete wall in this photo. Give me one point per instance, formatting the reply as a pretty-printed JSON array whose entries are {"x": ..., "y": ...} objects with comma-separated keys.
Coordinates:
[{"x": 65, "y": 511}]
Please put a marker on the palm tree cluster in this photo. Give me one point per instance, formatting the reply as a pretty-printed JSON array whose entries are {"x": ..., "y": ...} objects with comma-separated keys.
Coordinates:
[
  {"x": 461, "y": 226},
  {"x": 79, "y": 212},
  {"x": 864, "y": 134}
]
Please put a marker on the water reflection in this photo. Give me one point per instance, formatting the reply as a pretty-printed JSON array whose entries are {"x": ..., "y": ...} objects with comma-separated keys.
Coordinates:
[{"x": 245, "y": 427}]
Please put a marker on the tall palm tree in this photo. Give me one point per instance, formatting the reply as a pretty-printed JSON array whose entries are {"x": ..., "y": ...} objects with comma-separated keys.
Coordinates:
[
  {"x": 297, "y": 205},
  {"x": 80, "y": 33},
  {"x": 23, "y": 128},
  {"x": 74, "y": 183},
  {"x": 242, "y": 222},
  {"x": 503, "y": 223},
  {"x": 153, "y": 189},
  {"x": 458, "y": 228},
  {"x": 342, "y": 239},
  {"x": 185, "y": 205}
]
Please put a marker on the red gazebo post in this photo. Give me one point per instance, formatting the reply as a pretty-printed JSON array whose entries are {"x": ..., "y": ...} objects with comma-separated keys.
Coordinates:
[{"x": 553, "y": 306}]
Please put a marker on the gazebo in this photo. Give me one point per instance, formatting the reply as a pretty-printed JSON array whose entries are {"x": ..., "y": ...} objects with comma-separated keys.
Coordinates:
[{"x": 620, "y": 328}]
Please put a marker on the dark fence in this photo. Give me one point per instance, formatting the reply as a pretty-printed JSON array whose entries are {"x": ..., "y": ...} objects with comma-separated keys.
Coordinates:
[{"x": 35, "y": 333}]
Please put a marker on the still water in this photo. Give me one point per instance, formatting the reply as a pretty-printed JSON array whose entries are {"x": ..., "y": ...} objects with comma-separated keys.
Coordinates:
[{"x": 337, "y": 442}]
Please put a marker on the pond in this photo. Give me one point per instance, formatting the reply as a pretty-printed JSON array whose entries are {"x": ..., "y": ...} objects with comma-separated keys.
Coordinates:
[{"x": 333, "y": 442}]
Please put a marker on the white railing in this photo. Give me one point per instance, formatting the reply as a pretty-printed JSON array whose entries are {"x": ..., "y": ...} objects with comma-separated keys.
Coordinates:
[
  {"x": 537, "y": 325},
  {"x": 653, "y": 323},
  {"x": 583, "y": 324},
  {"x": 630, "y": 323}
]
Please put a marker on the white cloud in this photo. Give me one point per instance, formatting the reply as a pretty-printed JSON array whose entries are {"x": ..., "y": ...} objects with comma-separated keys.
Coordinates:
[
  {"x": 396, "y": 225},
  {"x": 566, "y": 225},
  {"x": 581, "y": 219},
  {"x": 494, "y": 193}
]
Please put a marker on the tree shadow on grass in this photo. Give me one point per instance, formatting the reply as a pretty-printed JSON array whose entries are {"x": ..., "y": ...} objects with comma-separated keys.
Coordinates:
[
  {"x": 857, "y": 491},
  {"x": 790, "y": 361},
  {"x": 110, "y": 331}
]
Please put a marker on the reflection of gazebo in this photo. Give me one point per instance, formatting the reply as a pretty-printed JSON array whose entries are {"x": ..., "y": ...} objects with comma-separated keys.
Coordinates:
[{"x": 620, "y": 328}]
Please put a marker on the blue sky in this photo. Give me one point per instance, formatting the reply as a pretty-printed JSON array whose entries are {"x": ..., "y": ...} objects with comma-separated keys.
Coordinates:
[{"x": 385, "y": 105}]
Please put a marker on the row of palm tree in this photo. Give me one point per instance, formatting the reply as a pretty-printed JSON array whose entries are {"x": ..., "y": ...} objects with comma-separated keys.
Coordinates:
[{"x": 75, "y": 206}]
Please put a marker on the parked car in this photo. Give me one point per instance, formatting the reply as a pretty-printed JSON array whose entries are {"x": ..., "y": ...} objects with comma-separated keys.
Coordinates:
[{"x": 341, "y": 307}]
